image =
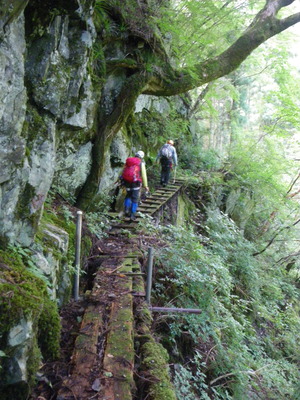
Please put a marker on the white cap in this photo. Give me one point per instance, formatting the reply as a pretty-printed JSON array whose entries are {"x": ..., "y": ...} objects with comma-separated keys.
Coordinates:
[{"x": 140, "y": 154}]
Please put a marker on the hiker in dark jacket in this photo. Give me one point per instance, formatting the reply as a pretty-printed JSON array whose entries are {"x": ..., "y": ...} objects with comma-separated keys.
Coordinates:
[
  {"x": 134, "y": 176},
  {"x": 167, "y": 156}
]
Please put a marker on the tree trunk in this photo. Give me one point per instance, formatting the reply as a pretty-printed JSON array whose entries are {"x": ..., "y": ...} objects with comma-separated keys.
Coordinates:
[{"x": 108, "y": 127}]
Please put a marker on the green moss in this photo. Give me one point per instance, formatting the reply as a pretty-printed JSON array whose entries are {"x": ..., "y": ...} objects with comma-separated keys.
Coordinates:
[
  {"x": 24, "y": 295},
  {"x": 26, "y": 197},
  {"x": 49, "y": 330},
  {"x": 58, "y": 219},
  {"x": 86, "y": 246},
  {"x": 21, "y": 292},
  {"x": 33, "y": 362},
  {"x": 35, "y": 125},
  {"x": 155, "y": 362},
  {"x": 144, "y": 314}
]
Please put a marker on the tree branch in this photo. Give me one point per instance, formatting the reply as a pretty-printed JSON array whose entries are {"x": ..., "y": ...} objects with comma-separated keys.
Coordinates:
[
  {"x": 292, "y": 185},
  {"x": 199, "y": 100},
  {"x": 274, "y": 237},
  {"x": 264, "y": 26}
]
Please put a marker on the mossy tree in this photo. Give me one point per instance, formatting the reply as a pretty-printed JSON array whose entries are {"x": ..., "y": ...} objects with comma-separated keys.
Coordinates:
[{"x": 152, "y": 71}]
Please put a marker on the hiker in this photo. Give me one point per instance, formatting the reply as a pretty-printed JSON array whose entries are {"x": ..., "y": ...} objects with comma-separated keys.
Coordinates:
[
  {"x": 167, "y": 156},
  {"x": 133, "y": 177}
]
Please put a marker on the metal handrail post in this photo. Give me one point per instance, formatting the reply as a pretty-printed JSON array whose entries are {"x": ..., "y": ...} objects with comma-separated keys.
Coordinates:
[
  {"x": 149, "y": 274},
  {"x": 77, "y": 254}
]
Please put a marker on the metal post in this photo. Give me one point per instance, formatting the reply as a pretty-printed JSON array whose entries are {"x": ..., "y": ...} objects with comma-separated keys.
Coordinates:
[
  {"x": 149, "y": 274},
  {"x": 77, "y": 254},
  {"x": 176, "y": 310}
]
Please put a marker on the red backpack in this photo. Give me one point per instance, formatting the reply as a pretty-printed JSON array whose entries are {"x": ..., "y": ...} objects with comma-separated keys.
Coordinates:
[{"x": 132, "y": 170}]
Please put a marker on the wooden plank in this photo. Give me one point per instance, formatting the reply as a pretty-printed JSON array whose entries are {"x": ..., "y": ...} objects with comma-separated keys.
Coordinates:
[
  {"x": 147, "y": 206},
  {"x": 169, "y": 191},
  {"x": 85, "y": 355},
  {"x": 118, "y": 362},
  {"x": 160, "y": 197}
]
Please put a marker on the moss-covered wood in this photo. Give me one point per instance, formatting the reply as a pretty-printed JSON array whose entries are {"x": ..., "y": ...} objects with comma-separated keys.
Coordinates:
[{"x": 119, "y": 353}]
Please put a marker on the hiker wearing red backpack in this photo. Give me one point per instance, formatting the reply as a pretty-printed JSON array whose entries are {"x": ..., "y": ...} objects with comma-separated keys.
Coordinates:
[
  {"x": 167, "y": 156},
  {"x": 133, "y": 177}
]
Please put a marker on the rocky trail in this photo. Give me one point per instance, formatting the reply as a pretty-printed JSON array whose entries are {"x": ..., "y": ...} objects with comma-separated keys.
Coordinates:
[{"x": 107, "y": 349}]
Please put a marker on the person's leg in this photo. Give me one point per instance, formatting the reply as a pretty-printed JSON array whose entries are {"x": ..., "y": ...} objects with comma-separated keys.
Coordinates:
[
  {"x": 167, "y": 174},
  {"x": 134, "y": 202},
  {"x": 128, "y": 202},
  {"x": 164, "y": 173},
  {"x": 162, "y": 176}
]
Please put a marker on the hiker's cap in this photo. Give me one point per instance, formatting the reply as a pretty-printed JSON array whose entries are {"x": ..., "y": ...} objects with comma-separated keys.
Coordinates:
[
  {"x": 140, "y": 154},
  {"x": 170, "y": 142}
]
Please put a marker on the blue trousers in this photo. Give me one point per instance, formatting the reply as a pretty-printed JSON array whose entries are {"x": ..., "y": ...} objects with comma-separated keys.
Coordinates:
[{"x": 131, "y": 201}]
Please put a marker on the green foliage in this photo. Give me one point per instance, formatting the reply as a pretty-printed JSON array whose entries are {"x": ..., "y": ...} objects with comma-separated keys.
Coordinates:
[
  {"x": 257, "y": 185},
  {"x": 24, "y": 255},
  {"x": 212, "y": 25},
  {"x": 152, "y": 129},
  {"x": 195, "y": 159},
  {"x": 97, "y": 63},
  {"x": 97, "y": 223},
  {"x": 248, "y": 310},
  {"x": 103, "y": 202},
  {"x": 58, "y": 191},
  {"x": 189, "y": 385}
]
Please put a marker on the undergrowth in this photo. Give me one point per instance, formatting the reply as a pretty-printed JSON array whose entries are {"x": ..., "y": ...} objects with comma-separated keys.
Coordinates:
[{"x": 244, "y": 344}]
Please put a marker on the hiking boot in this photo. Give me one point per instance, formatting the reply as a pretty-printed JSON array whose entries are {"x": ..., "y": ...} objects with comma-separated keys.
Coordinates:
[
  {"x": 132, "y": 217},
  {"x": 127, "y": 212}
]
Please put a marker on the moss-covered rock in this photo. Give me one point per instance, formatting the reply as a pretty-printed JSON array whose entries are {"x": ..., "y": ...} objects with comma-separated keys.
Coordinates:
[
  {"x": 27, "y": 316},
  {"x": 49, "y": 330}
]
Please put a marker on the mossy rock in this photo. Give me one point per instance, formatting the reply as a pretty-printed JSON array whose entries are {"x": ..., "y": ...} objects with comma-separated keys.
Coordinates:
[{"x": 24, "y": 297}]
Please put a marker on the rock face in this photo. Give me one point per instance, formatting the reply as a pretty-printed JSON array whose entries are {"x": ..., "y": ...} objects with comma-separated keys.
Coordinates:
[
  {"x": 55, "y": 92},
  {"x": 47, "y": 114},
  {"x": 47, "y": 109},
  {"x": 57, "y": 88},
  {"x": 19, "y": 341}
]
